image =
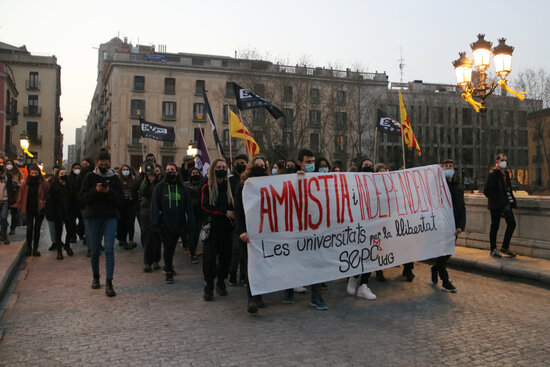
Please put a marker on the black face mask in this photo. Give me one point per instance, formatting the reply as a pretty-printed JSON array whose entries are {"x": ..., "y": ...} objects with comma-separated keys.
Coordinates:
[
  {"x": 291, "y": 170},
  {"x": 239, "y": 168},
  {"x": 170, "y": 176},
  {"x": 221, "y": 173},
  {"x": 195, "y": 178},
  {"x": 103, "y": 169},
  {"x": 190, "y": 165},
  {"x": 1, "y": 167},
  {"x": 33, "y": 179},
  {"x": 367, "y": 169},
  {"x": 258, "y": 171},
  {"x": 63, "y": 178}
]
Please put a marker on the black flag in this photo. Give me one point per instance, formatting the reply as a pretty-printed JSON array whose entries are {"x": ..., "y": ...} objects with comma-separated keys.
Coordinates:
[
  {"x": 212, "y": 124},
  {"x": 387, "y": 124},
  {"x": 155, "y": 131},
  {"x": 246, "y": 100}
]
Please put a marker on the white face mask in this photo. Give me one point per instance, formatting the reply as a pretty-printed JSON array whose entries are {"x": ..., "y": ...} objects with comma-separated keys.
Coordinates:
[
  {"x": 76, "y": 171},
  {"x": 502, "y": 164},
  {"x": 9, "y": 167}
]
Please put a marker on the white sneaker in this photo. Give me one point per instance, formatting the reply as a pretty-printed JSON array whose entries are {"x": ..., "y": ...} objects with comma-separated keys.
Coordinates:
[
  {"x": 300, "y": 289},
  {"x": 365, "y": 292},
  {"x": 352, "y": 285}
]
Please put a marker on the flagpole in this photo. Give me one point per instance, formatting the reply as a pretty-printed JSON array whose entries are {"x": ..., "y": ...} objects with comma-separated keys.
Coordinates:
[
  {"x": 230, "y": 145},
  {"x": 375, "y": 135},
  {"x": 403, "y": 148}
]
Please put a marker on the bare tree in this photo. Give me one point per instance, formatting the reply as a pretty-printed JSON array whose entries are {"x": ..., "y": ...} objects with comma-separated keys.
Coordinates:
[{"x": 536, "y": 82}]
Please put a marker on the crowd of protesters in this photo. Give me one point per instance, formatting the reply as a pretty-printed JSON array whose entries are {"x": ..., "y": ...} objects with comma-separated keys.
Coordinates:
[{"x": 100, "y": 204}]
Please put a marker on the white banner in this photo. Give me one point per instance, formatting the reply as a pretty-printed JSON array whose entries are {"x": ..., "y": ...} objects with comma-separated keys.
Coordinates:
[{"x": 325, "y": 226}]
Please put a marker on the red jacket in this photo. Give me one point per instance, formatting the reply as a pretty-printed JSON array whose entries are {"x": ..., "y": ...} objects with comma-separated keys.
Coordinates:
[{"x": 43, "y": 188}]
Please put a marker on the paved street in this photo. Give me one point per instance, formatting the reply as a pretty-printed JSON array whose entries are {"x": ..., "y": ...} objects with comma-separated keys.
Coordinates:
[{"x": 54, "y": 318}]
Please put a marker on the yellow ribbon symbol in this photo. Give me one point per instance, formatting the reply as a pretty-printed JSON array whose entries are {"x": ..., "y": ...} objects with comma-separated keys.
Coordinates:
[
  {"x": 516, "y": 93},
  {"x": 467, "y": 96},
  {"x": 28, "y": 153}
]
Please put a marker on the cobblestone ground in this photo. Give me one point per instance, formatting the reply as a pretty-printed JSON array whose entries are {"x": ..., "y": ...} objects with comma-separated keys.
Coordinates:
[{"x": 54, "y": 318}]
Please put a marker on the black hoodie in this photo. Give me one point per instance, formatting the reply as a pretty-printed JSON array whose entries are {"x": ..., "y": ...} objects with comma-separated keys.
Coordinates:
[{"x": 171, "y": 209}]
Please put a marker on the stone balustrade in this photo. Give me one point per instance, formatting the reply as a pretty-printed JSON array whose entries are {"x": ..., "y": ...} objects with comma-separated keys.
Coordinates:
[{"x": 532, "y": 234}]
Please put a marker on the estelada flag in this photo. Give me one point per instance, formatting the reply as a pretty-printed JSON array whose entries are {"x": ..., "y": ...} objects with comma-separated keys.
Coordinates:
[
  {"x": 408, "y": 135},
  {"x": 246, "y": 99},
  {"x": 238, "y": 130},
  {"x": 387, "y": 124}
]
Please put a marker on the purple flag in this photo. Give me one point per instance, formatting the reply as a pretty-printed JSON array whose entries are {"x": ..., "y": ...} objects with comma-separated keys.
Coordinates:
[{"x": 202, "y": 159}]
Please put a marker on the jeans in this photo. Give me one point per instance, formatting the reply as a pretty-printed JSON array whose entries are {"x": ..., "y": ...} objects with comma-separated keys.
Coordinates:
[
  {"x": 34, "y": 222},
  {"x": 96, "y": 229},
  {"x": 169, "y": 242},
  {"x": 151, "y": 242},
  {"x": 4, "y": 210},
  {"x": 508, "y": 215}
]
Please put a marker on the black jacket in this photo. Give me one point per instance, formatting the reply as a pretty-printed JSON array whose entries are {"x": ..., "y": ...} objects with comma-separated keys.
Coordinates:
[
  {"x": 459, "y": 209},
  {"x": 240, "y": 218},
  {"x": 217, "y": 213},
  {"x": 60, "y": 201},
  {"x": 495, "y": 190},
  {"x": 171, "y": 208},
  {"x": 100, "y": 204}
]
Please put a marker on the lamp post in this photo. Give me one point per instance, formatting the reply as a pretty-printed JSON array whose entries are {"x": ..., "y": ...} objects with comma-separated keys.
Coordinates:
[
  {"x": 191, "y": 150},
  {"x": 24, "y": 142},
  {"x": 482, "y": 88}
]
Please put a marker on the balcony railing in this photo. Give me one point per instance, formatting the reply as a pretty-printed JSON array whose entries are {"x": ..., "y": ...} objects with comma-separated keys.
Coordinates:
[
  {"x": 35, "y": 140},
  {"x": 32, "y": 111}
]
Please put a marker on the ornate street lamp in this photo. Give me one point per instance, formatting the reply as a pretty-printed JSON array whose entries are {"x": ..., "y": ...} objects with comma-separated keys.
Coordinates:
[
  {"x": 482, "y": 51},
  {"x": 191, "y": 150},
  {"x": 24, "y": 142}
]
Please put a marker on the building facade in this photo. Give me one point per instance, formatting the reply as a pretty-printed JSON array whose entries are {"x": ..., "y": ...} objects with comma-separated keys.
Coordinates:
[
  {"x": 447, "y": 127},
  {"x": 539, "y": 149},
  {"x": 319, "y": 104},
  {"x": 8, "y": 107},
  {"x": 38, "y": 81}
]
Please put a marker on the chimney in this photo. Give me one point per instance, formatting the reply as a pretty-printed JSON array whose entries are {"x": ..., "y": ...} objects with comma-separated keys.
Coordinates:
[{"x": 126, "y": 40}]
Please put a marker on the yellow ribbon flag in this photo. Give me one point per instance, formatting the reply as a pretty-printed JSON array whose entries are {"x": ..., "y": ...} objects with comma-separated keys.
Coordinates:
[
  {"x": 467, "y": 96},
  {"x": 28, "y": 153},
  {"x": 408, "y": 135},
  {"x": 238, "y": 130}
]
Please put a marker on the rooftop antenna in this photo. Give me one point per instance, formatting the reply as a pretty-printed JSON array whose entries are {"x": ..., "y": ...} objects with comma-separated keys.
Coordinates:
[{"x": 401, "y": 64}]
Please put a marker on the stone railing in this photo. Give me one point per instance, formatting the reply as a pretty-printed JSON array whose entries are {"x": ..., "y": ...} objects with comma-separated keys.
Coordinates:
[{"x": 532, "y": 234}]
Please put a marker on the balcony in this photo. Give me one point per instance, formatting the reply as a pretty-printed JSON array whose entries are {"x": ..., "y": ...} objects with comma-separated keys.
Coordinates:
[
  {"x": 35, "y": 140},
  {"x": 32, "y": 85},
  {"x": 169, "y": 117},
  {"x": 32, "y": 111}
]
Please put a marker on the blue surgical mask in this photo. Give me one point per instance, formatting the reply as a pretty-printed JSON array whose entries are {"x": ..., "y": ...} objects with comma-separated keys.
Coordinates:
[
  {"x": 323, "y": 169},
  {"x": 274, "y": 171},
  {"x": 309, "y": 167},
  {"x": 125, "y": 173},
  {"x": 449, "y": 173}
]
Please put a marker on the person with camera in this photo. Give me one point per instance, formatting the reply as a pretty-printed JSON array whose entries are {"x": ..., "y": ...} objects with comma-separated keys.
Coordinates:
[
  {"x": 501, "y": 201},
  {"x": 100, "y": 196}
]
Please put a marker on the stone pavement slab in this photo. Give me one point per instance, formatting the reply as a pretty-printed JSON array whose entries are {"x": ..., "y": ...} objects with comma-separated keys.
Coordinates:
[
  {"x": 11, "y": 257},
  {"x": 58, "y": 320}
]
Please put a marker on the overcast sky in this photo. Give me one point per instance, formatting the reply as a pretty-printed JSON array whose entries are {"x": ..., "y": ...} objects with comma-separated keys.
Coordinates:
[{"x": 341, "y": 33}]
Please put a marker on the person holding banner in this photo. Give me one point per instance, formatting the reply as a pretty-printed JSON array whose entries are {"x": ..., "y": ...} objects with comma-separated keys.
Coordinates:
[
  {"x": 291, "y": 166},
  {"x": 459, "y": 211},
  {"x": 218, "y": 206},
  {"x": 256, "y": 168},
  {"x": 238, "y": 255}
]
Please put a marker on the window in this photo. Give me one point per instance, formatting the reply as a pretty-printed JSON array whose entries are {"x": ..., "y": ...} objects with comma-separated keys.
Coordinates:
[
  {"x": 226, "y": 138},
  {"x": 288, "y": 137},
  {"x": 314, "y": 95},
  {"x": 199, "y": 87},
  {"x": 259, "y": 114},
  {"x": 315, "y": 118},
  {"x": 168, "y": 144},
  {"x": 314, "y": 142},
  {"x": 196, "y": 132},
  {"x": 340, "y": 120},
  {"x": 168, "y": 110},
  {"x": 226, "y": 108},
  {"x": 341, "y": 97},
  {"x": 136, "y": 135},
  {"x": 32, "y": 131},
  {"x": 229, "y": 90},
  {"x": 199, "y": 61},
  {"x": 137, "y": 108},
  {"x": 466, "y": 136},
  {"x": 33, "y": 80},
  {"x": 33, "y": 101},
  {"x": 165, "y": 159},
  {"x": 198, "y": 112},
  {"x": 287, "y": 93},
  {"x": 289, "y": 115},
  {"x": 169, "y": 85},
  {"x": 139, "y": 83},
  {"x": 135, "y": 161},
  {"x": 340, "y": 143}
]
